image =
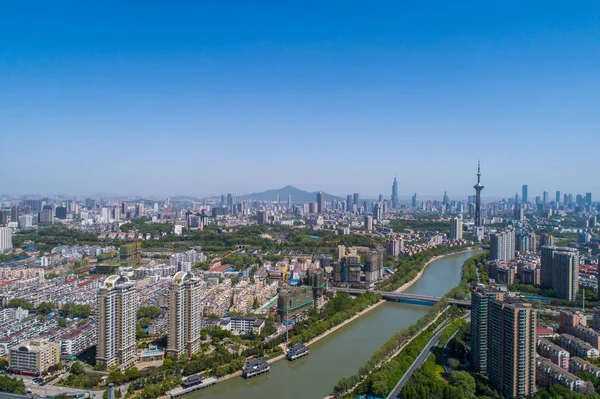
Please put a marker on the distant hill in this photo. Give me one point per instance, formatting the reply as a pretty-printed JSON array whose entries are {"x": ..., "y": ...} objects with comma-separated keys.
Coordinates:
[{"x": 297, "y": 195}]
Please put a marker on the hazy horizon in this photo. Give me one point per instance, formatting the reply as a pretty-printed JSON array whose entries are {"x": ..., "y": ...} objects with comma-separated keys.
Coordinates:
[{"x": 210, "y": 98}]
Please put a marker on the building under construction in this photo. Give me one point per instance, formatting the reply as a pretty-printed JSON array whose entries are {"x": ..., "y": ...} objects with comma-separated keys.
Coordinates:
[
  {"x": 130, "y": 254},
  {"x": 316, "y": 279},
  {"x": 294, "y": 300},
  {"x": 374, "y": 265}
]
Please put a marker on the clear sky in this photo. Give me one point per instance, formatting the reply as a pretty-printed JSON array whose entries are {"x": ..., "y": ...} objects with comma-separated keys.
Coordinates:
[{"x": 205, "y": 97}]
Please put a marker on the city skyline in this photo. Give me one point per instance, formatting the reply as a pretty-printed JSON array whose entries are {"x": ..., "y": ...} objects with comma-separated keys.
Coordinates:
[{"x": 192, "y": 98}]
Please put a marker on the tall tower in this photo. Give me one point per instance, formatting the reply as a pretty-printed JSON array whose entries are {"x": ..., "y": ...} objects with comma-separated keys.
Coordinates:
[
  {"x": 395, "y": 194},
  {"x": 117, "y": 303},
  {"x": 478, "y": 187}
]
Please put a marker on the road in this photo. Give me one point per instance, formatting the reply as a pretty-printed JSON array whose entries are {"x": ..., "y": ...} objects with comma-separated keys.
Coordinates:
[
  {"x": 427, "y": 350},
  {"x": 51, "y": 391}
]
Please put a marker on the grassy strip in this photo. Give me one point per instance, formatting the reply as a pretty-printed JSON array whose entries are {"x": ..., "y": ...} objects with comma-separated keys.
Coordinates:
[
  {"x": 409, "y": 268},
  {"x": 380, "y": 380}
]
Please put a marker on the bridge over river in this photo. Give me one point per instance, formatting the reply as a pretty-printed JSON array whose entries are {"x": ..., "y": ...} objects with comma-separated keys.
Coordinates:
[{"x": 415, "y": 299}]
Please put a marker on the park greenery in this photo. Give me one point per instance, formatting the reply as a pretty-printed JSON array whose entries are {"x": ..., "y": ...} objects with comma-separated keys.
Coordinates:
[
  {"x": 381, "y": 372},
  {"x": 409, "y": 267}
]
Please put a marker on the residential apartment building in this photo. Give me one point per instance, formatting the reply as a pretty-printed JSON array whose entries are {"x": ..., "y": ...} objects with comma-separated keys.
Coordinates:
[
  {"x": 512, "y": 347},
  {"x": 480, "y": 299},
  {"x": 549, "y": 374},
  {"x": 184, "y": 315},
  {"x": 577, "y": 347},
  {"x": 555, "y": 353},
  {"x": 117, "y": 307}
]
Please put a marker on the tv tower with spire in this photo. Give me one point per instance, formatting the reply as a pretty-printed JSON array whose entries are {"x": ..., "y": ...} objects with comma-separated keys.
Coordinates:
[{"x": 478, "y": 187}]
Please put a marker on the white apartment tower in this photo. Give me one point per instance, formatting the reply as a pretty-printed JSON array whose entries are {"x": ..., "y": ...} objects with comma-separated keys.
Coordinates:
[
  {"x": 117, "y": 308},
  {"x": 185, "y": 314}
]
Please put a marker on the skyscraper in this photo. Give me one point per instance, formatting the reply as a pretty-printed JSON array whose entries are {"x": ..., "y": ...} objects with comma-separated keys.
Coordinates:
[
  {"x": 349, "y": 202},
  {"x": 117, "y": 306},
  {"x": 456, "y": 229},
  {"x": 546, "y": 197},
  {"x": 557, "y": 197},
  {"x": 356, "y": 201},
  {"x": 395, "y": 194},
  {"x": 184, "y": 315},
  {"x": 588, "y": 198},
  {"x": 414, "y": 200},
  {"x": 290, "y": 201},
  {"x": 512, "y": 347},
  {"x": 14, "y": 213},
  {"x": 3, "y": 218},
  {"x": 320, "y": 202},
  {"x": 478, "y": 187},
  {"x": 524, "y": 196}
]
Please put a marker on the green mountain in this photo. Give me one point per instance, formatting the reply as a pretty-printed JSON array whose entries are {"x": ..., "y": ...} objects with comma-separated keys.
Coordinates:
[{"x": 297, "y": 194}]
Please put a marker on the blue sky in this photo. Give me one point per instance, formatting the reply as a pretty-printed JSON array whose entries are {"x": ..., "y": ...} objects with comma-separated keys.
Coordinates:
[{"x": 200, "y": 98}]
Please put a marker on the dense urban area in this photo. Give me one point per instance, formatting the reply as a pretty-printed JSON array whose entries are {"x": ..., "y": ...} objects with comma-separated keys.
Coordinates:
[{"x": 159, "y": 297}]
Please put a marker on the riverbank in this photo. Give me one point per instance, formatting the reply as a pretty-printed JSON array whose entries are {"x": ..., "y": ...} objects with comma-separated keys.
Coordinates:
[{"x": 418, "y": 276}]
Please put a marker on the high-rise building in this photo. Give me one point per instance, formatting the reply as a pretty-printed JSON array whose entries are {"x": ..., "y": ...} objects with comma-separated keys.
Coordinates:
[
  {"x": 525, "y": 242},
  {"x": 184, "y": 315},
  {"x": 368, "y": 222},
  {"x": 349, "y": 203},
  {"x": 512, "y": 347},
  {"x": 557, "y": 197},
  {"x": 502, "y": 245},
  {"x": 480, "y": 300},
  {"x": 356, "y": 200},
  {"x": 374, "y": 265},
  {"x": 3, "y": 218},
  {"x": 261, "y": 216},
  {"x": 588, "y": 198},
  {"x": 378, "y": 210},
  {"x": 140, "y": 210},
  {"x": 393, "y": 246},
  {"x": 61, "y": 212},
  {"x": 124, "y": 208},
  {"x": 395, "y": 194},
  {"x": 320, "y": 202},
  {"x": 14, "y": 213},
  {"x": 46, "y": 215},
  {"x": 117, "y": 306},
  {"x": 414, "y": 200},
  {"x": 313, "y": 207},
  {"x": 524, "y": 196},
  {"x": 456, "y": 229},
  {"x": 560, "y": 271},
  {"x": 290, "y": 201},
  {"x": 5, "y": 239},
  {"x": 478, "y": 188},
  {"x": 565, "y": 275},
  {"x": 25, "y": 221},
  {"x": 229, "y": 199}
]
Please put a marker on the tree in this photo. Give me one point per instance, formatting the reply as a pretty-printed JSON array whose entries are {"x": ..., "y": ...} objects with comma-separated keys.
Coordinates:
[
  {"x": 255, "y": 304},
  {"x": 132, "y": 373},
  {"x": 20, "y": 303},
  {"x": 62, "y": 322},
  {"x": 77, "y": 368},
  {"x": 465, "y": 382},
  {"x": 151, "y": 312},
  {"x": 45, "y": 308}
]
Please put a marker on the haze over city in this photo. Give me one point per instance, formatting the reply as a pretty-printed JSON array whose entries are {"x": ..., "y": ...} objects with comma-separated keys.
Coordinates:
[{"x": 200, "y": 99}]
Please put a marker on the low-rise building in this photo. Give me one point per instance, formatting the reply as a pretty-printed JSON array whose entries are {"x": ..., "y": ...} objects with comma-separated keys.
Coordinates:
[
  {"x": 577, "y": 365},
  {"x": 549, "y": 374},
  {"x": 242, "y": 325},
  {"x": 34, "y": 357},
  {"x": 77, "y": 341},
  {"x": 555, "y": 353},
  {"x": 577, "y": 347}
]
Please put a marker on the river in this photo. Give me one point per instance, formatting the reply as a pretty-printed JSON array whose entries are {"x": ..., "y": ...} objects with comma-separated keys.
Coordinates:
[{"x": 341, "y": 353}]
